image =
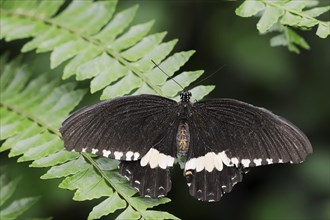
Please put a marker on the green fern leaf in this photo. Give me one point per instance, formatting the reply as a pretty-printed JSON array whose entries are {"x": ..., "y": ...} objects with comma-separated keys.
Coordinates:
[
  {"x": 31, "y": 112},
  {"x": 13, "y": 208},
  {"x": 279, "y": 15},
  {"x": 7, "y": 189},
  {"x": 102, "y": 46},
  {"x": 269, "y": 17},
  {"x": 129, "y": 213},
  {"x": 110, "y": 205}
]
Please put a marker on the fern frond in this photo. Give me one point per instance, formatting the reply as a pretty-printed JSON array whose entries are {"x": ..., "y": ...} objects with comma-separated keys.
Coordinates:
[
  {"x": 99, "y": 45},
  {"x": 280, "y": 15},
  {"x": 11, "y": 208},
  {"x": 32, "y": 109}
]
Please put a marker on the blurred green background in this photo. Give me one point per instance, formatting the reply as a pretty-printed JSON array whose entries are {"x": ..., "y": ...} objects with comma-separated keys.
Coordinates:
[{"x": 294, "y": 86}]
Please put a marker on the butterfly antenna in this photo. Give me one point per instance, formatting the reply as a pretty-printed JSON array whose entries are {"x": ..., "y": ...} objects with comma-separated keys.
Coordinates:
[
  {"x": 209, "y": 76},
  {"x": 166, "y": 74}
]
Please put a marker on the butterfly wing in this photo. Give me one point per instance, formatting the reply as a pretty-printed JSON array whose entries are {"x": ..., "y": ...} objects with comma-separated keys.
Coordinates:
[
  {"x": 151, "y": 175},
  {"x": 124, "y": 128},
  {"x": 138, "y": 130},
  {"x": 227, "y": 136}
]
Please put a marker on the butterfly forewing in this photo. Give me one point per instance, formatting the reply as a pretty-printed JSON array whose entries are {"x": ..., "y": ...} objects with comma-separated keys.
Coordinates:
[
  {"x": 252, "y": 135},
  {"x": 124, "y": 128}
]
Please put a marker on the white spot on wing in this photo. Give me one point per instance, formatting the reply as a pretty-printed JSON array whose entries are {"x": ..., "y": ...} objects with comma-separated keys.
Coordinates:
[
  {"x": 200, "y": 164},
  {"x": 83, "y": 150},
  {"x": 129, "y": 155},
  {"x": 257, "y": 162},
  {"x": 154, "y": 158},
  {"x": 106, "y": 153},
  {"x": 245, "y": 162},
  {"x": 94, "y": 151},
  {"x": 118, "y": 155},
  {"x": 280, "y": 160},
  {"x": 218, "y": 163},
  {"x": 137, "y": 182},
  {"x": 136, "y": 156},
  {"x": 191, "y": 164},
  {"x": 225, "y": 159},
  {"x": 145, "y": 159},
  {"x": 165, "y": 161},
  {"x": 269, "y": 161},
  {"x": 234, "y": 160},
  {"x": 209, "y": 160}
]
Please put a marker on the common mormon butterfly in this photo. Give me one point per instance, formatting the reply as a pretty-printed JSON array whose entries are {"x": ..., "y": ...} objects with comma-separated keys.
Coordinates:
[{"x": 214, "y": 141}]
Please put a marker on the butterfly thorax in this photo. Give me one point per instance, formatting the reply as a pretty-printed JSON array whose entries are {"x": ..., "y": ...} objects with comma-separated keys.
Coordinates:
[
  {"x": 182, "y": 142},
  {"x": 185, "y": 96}
]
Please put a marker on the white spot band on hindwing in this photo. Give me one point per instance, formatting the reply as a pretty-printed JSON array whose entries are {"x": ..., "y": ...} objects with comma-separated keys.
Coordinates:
[
  {"x": 209, "y": 161},
  {"x": 154, "y": 158}
]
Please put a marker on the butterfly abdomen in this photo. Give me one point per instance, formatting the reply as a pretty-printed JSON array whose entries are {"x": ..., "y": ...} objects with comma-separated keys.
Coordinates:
[
  {"x": 183, "y": 138},
  {"x": 182, "y": 143}
]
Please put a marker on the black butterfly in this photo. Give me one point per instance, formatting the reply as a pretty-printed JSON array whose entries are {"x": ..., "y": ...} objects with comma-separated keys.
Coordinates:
[{"x": 213, "y": 140}]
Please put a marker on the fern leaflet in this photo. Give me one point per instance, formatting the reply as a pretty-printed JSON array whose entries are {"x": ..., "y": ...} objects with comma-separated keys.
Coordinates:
[
  {"x": 13, "y": 208},
  {"x": 99, "y": 45}
]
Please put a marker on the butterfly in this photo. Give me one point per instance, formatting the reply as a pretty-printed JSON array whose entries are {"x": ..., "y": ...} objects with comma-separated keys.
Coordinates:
[{"x": 213, "y": 140}]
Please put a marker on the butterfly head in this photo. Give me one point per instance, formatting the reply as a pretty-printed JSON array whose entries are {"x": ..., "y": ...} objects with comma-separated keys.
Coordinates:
[{"x": 185, "y": 96}]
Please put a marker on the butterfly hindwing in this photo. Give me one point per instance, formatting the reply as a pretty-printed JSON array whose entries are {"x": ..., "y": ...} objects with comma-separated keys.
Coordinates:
[
  {"x": 211, "y": 186},
  {"x": 150, "y": 182},
  {"x": 124, "y": 128}
]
